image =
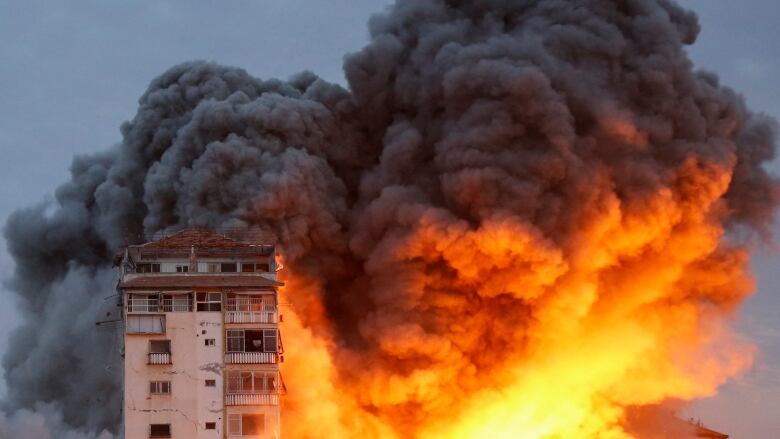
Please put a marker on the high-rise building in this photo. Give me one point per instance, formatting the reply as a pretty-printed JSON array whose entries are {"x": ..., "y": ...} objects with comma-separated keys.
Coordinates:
[{"x": 201, "y": 342}]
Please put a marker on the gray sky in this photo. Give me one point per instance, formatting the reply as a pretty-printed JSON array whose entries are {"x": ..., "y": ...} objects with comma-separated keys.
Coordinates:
[{"x": 71, "y": 72}]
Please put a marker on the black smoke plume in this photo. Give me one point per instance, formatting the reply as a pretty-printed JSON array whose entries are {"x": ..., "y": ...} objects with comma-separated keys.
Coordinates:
[{"x": 458, "y": 117}]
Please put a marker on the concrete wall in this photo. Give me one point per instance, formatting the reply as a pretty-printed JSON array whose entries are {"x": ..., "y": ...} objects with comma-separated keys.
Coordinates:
[{"x": 191, "y": 404}]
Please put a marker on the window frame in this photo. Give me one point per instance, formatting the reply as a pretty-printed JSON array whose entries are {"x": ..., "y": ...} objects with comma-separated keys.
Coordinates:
[
  {"x": 157, "y": 327},
  {"x": 237, "y": 378},
  {"x": 176, "y": 302},
  {"x": 239, "y": 419},
  {"x": 165, "y": 342},
  {"x": 143, "y": 302},
  {"x": 159, "y": 387},
  {"x": 233, "y": 338},
  {"x": 152, "y": 434},
  {"x": 211, "y": 302},
  {"x": 274, "y": 335},
  {"x": 154, "y": 267},
  {"x": 266, "y": 334},
  {"x": 232, "y": 267},
  {"x": 255, "y": 267}
]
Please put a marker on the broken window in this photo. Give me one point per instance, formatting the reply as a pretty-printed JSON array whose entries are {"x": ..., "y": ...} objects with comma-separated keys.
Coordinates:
[
  {"x": 210, "y": 342},
  {"x": 211, "y": 383},
  {"x": 211, "y": 425},
  {"x": 146, "y": 267},
  {"x": 255, "y": 268},
  {"x": 246, "y": 424},
  {"x": 180, "y": 268},
  {"x": 145, "y": 324},
  {"x": 160, "y": 430},
  {"x": 159, "y": 346},
  {"x": 209, "y": 302},
  {"x": 160, "y": 387},
  {"x": 247, "y": 340}
]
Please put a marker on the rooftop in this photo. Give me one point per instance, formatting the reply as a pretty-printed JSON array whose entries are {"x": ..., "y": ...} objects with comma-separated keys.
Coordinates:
[
  {"x": 202, "y": 242},
  {"x": 199, "y": 281},
  {"x": 195, "y": 237}
]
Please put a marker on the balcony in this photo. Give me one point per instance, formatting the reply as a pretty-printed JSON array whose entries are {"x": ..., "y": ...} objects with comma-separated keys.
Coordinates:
[
  {"x": 251, "y": 317},
  {"x": 251, "y": 309},
  {"x": 158, "y": 358},
  {"x": 138, "y": 303},
  {"x": 251, "y": 358},
  {"x": 252, "y": 399}
]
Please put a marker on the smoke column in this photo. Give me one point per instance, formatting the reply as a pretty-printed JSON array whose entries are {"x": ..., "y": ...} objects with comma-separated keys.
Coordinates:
[{"x": 520, "y": 219}]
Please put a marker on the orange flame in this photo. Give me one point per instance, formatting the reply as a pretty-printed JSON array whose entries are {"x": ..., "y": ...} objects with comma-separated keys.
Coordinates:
[{"x": 496, "y": 331}]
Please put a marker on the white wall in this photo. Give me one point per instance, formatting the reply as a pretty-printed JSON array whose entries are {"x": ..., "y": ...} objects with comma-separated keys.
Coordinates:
[{"x": 191, "y": 404}]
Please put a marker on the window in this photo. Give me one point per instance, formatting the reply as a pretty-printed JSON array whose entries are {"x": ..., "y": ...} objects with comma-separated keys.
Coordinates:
[
  {"x": 211, "y": 383},
  {"x": 255, "y": 268},
  {"x": 209, "y": 301},
  {"x": 160, "y": 387},
  {"x": 177, "y": 303},
  {"x": 160, "y": 430},
  {"x": 143, "y": 303},
  {"x": 246, "y": 340},
  {"x": 235, "y": 341},
  {"x": 210, "y": 342},
  {"x": 212, "y": 267},
  {"x": 228, "y": 267},
  {"x": 270, "y": 337},
  {"x": 159, "y": 346},
  {"x": 180, "y": 268},
  {"x": 246, "y": 424},
  {"x": 145, "y": 324},
  {"x": 251, "y": 382},
  {"x": 211, "y": 425},
  {"x": 147, "y": 268}
]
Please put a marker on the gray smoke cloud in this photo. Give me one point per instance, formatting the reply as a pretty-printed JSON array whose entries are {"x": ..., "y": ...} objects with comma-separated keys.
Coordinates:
[
  {"x": 43, "y": 422},
  {"x": 457, "y": 114}
]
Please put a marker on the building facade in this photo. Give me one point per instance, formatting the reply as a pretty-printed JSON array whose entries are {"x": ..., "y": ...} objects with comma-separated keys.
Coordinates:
[{"x": 202, "y": 345}]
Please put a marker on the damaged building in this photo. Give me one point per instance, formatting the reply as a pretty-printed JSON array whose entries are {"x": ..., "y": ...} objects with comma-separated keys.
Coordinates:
[{"x": 201, "y": 343}]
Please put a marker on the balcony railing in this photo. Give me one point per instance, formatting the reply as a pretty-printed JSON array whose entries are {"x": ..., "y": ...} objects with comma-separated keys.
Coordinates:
[
  {"x": 159, "y": 358},
  {"x": 247, "y": 303},
  {"x": 251, "y": 358},
  {"x": 152, "y": 304},
  {"x": 143, "y": 304},
  {"x": 252, "y": 399},
  {"x": 251, "y": 317}
]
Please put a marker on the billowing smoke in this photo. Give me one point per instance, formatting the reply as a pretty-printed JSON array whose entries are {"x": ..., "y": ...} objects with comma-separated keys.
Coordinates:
[{"x": 521, "y": 219}]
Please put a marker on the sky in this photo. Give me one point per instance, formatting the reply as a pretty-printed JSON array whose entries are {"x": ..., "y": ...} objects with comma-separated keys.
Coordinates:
[{"x": 72, "y": 72}]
